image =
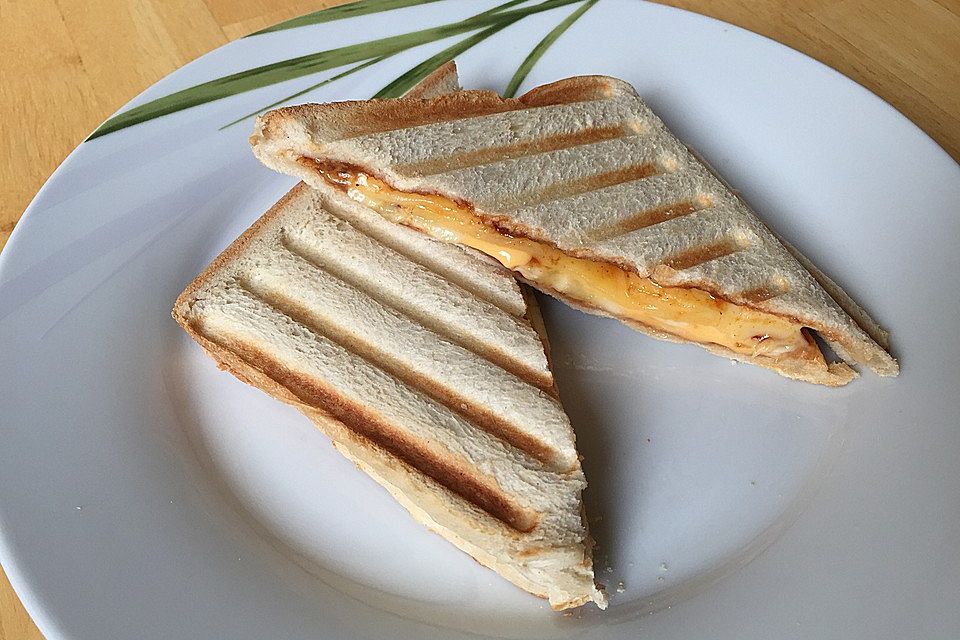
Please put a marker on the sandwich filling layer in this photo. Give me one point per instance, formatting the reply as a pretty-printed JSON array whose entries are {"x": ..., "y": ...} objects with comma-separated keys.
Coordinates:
[{"x": 688, "y": 313}]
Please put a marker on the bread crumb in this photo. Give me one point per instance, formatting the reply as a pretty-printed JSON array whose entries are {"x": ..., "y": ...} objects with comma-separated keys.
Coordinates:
[{"x": 620, "y": 587}]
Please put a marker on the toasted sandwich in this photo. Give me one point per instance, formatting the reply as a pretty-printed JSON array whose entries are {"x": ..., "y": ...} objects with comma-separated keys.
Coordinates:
[
  {"x": 425, "y": 365},
  {"x": 583, "y": 192}
]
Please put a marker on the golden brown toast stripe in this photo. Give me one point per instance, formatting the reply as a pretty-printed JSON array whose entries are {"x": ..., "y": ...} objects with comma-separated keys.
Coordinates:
[
  {"x": 517, "y": 150},
  {"x": 577, "y": 186},
  {"x": 693, "y": 256},
  {"x": 770, "y": 289},
  {"x": 647, "y": 218}
]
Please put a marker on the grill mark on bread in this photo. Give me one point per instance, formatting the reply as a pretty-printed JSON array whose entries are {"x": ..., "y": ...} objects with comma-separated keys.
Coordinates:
[
  {"x": 704, "y": 253},
  {"x": 441, "y": 466},
  {"x": 481, "y": 417},
  {"x": 648, "y": 218},
  {"x": 772, "y": 288},
  {"x": 378, "y": 116},
  {"x": 408, "y": 307},
  {"x": 570, "y": 188},
  {"x": 519, "y": 149}
]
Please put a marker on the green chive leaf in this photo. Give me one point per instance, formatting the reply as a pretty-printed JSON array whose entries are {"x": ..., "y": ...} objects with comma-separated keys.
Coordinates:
[
  {"x": 283, "y": 70},
  {"x": 540, "y": 49},
  {"x": 407, "y": 81},
  {"x": 290, "y": 97}
]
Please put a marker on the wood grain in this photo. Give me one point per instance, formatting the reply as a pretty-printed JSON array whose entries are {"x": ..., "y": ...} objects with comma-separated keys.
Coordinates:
[{"x": 66, "y": 66}]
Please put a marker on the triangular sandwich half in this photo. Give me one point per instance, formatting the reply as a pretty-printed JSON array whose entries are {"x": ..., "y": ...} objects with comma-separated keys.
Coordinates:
[
  {"x": 425, "y": 365},
  {"x": 579, "y": 188}
]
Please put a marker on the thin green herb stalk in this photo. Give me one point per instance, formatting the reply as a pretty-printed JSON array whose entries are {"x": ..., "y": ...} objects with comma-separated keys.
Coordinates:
[
  {"x": 304, "y": 65},
  {"x": 535, "y": 54},
  {"x": 505, "y": 5},
  {"x": 346, "y": 73},
  {"x": 340, "y": 12},
  {"x": 407, "y": 81}
]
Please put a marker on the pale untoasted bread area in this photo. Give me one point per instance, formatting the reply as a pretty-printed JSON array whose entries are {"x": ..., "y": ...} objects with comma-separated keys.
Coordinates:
[{"x": 584, "y": 165}]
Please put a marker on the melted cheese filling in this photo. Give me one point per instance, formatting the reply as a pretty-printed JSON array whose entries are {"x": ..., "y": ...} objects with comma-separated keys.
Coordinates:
[{"x": 688, "y": 313}]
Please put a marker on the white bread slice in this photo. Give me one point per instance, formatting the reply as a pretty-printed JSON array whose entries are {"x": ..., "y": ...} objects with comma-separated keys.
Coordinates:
[
  {"x": 425, "y": 367},
  {"x": 584, "y": 165}
]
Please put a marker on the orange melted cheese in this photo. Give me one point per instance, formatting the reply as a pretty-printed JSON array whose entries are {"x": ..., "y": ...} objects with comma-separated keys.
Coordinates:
[{"x": 688, "y": 313}]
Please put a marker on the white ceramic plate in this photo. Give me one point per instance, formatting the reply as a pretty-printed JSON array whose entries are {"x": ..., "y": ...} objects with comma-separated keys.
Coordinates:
[{"x": 145, "y": 494}]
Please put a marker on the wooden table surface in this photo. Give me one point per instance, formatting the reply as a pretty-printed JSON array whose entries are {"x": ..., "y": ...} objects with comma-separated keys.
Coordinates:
[{"x": 66, "y": 65}]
